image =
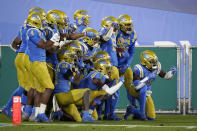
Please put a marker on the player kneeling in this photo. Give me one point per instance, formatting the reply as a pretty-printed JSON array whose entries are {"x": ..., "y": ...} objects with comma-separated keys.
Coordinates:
[{"x": 144, "y": 74}]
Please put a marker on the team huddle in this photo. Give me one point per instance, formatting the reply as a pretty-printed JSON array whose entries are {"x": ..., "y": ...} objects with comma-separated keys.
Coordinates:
[{"x": 69, "y": 71}]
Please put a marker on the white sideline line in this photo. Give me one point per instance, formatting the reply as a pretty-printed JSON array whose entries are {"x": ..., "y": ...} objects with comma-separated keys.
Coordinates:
[{"x": 98, "y": 125}]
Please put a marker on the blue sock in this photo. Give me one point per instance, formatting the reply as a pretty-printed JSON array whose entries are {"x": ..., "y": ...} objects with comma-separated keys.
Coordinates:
[
  {"x": 99, "y": 109},
  {"x": 24, "y": 99},
  {"x": 142, "y": 99},
  {"x": 131, "y": 99},
  {"x": 17, "y": 92},
  {"x": 107, "y": 106},
  {"x": 114, "y": 102},
  {"x": 28, "y": 109}
]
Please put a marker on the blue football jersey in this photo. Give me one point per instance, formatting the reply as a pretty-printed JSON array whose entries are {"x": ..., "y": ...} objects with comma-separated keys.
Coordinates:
[
  {"x": 35, "y": 53},
  {"x": 142, "y": 72},
  {"x": 87, "y": 81},
  {"x": 62, "y": 84},
  {"x": 50, "y": 57},
  {"x": 110, "y": 47},
  {"x": 125, "y": 47}
]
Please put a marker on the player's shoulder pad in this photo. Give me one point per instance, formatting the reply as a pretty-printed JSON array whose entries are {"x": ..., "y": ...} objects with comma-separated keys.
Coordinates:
[
  {"x": 138, "y": 70},
  {"x": 49, "y": 29},
  {"x": 33, "y": 32}
]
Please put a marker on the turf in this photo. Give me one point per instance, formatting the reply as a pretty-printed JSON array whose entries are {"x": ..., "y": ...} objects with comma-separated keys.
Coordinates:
[{"x": 162, "y": 123}]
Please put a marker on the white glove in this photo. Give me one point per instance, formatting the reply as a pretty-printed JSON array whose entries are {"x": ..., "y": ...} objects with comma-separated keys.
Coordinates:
[
  {"x": 148, "y": 93},
  {"x": 55, "y": 38},
  {"x": 56, "y": 43},
  {"x": 61, "y": 43}
]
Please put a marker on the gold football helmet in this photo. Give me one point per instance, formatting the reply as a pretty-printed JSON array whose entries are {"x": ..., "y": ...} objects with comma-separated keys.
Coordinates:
[
  {"x": 102, "y": 66},
  {"x": 34, "y": 20},
  {"x": 107, "y": 21},
  {"x": 64, "y": 17},
  {"x": 81, "y": 17},
  {"x": 76, "y": 47},
  {"x": 55, "y": 17},
  {"x": 92, "y": 42},
  {"x": 126, "y": 24},
  {"x": 66, "y": 54},
  {"x": 100, "y": 55},
  {"x": 149, "y": 59},
  {"x": 37, "y": 10}
]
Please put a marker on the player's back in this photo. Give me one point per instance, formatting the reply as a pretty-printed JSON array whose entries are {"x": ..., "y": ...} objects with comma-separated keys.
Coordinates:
[
  {"x": 36, "y": 53},
  {"x": 62, "y": 84},
  {"x": 87, "y": 82},
  {"x": 50, "y": 57},
  {"x": 22, "y": 36}
]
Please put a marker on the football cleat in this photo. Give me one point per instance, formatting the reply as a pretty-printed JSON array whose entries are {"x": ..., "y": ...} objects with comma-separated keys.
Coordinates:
[
  {"x": 114, "y": 117},
  {"x": 32, "y": 116},
  {"x": 87, "y": 117},
  {"x": 128, "y": 112},
  {"x": 43, "y": 118},
  {"x": 25, "y": 116},
  {"x": 56, "y": 115},
  {"x": 26, "y": 113}
]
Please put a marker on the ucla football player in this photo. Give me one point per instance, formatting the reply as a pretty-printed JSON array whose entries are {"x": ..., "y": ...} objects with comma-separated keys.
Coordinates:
[
  {"x": 82, "y": 20},
  {"x": 108, "y": 44},
  {"x": 99, "y": 82},
  {"x": 144, "y": 74},
  {"x": 66, "y": 98},
  {"x": 37, "y": 46},
  {"x": 21, "y": 62},
  {"x": 126, "y": 39}
]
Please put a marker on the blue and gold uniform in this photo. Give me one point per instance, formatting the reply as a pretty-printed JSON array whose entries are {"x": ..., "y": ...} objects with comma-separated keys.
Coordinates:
[
  {"x": 51, "y": 58},
  {"x": 147, "y": 105},
  {"x": 110, "y": 47},
  {"x": 22, "y": 61},
  {"x": 126, "y": 38},
  {"x": 81, "y": 19},
  {"x": 144, "y": 74},
  {"x": 96, "y": 91},
  {"x": 87, "y": 82},
  {"x": 62, "y": 84},
  {"x": 66, "y": 98},
  {"x": 125, "y": 50},
  {"x": 37, "y": 57}
]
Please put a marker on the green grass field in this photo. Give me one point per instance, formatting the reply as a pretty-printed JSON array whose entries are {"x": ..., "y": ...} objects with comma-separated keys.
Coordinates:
[{"x": 162, "y": 123}]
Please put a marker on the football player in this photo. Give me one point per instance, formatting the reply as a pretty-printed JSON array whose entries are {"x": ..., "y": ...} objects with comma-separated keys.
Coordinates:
[
  {"x": 66, "y": 98},
  {"x": 108, "y": 44},
  {"x": 144, "y": 74},
  {"x": 82, "y": 20},
  {"x": 37, "y": 46},
  {"x": 126, "y": 39},
  {"x": 100, "y": 83},
  {"x": 22, "y": 63}
]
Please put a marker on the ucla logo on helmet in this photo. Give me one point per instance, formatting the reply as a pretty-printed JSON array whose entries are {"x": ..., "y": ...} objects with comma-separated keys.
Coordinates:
[
  {"x": 146, "y": 56},
  {"x": 55, "y": 16},
  {"x": 37, "y": 10}
]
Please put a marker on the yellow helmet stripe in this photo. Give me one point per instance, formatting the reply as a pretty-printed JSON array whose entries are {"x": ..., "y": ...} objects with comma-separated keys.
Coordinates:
[
  {"x": 85, "y": 47},
  {"x": 159, "y": 67}
]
